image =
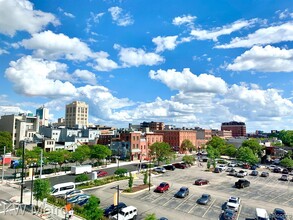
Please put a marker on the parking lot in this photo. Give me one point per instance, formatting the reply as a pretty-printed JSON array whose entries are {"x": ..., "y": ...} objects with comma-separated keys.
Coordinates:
[{"x": 264, "y": 192}]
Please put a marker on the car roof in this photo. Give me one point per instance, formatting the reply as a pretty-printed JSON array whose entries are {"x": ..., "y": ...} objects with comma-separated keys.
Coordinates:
[
  {"x": 128, "y": 208},
  {"x": 261, "y": 213},
  {"x": 279, "y": 210},
  {"x": 184, "y": 187}
]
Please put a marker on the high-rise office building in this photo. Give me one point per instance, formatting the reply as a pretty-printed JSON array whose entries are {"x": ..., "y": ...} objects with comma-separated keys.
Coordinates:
[
  {"x": 76, "y": 114},
  {"x": 43, "y": 114}
]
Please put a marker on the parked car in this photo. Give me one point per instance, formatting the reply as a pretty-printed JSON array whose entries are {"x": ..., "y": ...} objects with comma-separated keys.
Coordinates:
[
  {"x": 102, "y": 173},
  {"x": 279, "y": 214},
  {"x": 179, "y": 165},
  {"x": 82, "y": 202},
  {"x": 229, "y": 169},
  {"x": 127, "y": 213},
  {"x": 277, "y": 170},
  {"x": 162, "y": 187},
  {"x": 229, "y": 214},
  {"x": 72, "y": 193},
  {"x": 186, "y": 164},
  {"x": 78, "y": 198},
  {"x": 201, "y": 182},
  {"x": 285, "y": 171},
  {"x": 254, "y": 167},
  {"x": 233, "y": 173},
  {"x": 233, "y": 203},
  {"x": 222, "y": 166},
  {"x": 204, "y": 199},
  {"x": 245, "y": 166},
  {"x": 218, "y": 170},
  {"x": 271, "y": 167},
  {"x": 241, "y": 174},
  {"x": 232, "y": 164},
  {"x": 261, "y": 214},
  {"x": 284, "y": 177},
  {"x": 241, "y": 183},
  {"x": 159, "y": 169},
  {"x": 254, "y": 173},
  {"x": 182, "y": 193},
  {"x": 113, "y": 209},
  {"x": 169, "y": 167},
  {"x": 264, "y": 174}
]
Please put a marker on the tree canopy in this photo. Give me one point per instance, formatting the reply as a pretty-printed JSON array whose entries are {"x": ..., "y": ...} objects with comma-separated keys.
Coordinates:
[
  {"x": 92, "y": 210},
  {"x": 287, "y": 162},
  {"x": 161, "y": 151},
  {"x": 254, "y": 145},
  {"x": 81, "y": 154},
  {"x": 286, "y": 137},
  {"x": 41, "y": 189},
  {"x": 5, "y": 140},
  {"x": 99, "y": 152},
  {"x": 245, "y": 154},
  {"x": 187, "y": 145}
]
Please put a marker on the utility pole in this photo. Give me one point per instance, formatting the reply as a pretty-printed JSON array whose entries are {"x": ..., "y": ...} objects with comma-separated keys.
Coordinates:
[
  {"x": 118, "y": 202},
  {"x": 3, "y": 160},
  {"x": 22, "y": 172}
]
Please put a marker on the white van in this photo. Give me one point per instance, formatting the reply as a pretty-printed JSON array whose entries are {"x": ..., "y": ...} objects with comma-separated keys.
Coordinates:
[
  {"x": 127, "y": 213},
  {"x": 62, "y": 188},
  {"x": 261, "y": 214}
]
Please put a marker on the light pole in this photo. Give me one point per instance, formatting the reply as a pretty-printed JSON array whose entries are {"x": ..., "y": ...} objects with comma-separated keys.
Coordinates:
[
  {"x": 117, "y": 199},
  {"x": 3, "y": 160},
  {"x": 22, "y": 172}
]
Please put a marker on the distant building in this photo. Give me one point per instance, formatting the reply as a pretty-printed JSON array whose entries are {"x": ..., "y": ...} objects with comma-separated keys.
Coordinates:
[
  {"x": 238, "y": 128},
  {"x": 76, "y": 115},
  {"x": 23, "y": 127},
  {"x": 222, "y": 134},
  {"x": 153, "y": 126},
  {"x": 202, "y": 137},
  {"x": 175, "y": 137},
  {"x": 43, "y": 114}
]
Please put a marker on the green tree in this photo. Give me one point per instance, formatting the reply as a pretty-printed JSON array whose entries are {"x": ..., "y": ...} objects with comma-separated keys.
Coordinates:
[
  {"x": 81, "y": 178},
  {"x": 150, "y": 217},
  {"x": 41, "y": 189},
  {"x": 57, "y": 156},
  {"x": 254, "y": 145},
  {"x": 161, "y": 151},
  {"x": 99, "y": 152},
  {"x": 245, "y": 154},
  {"x": 187, "y": 145},
  {"x": 120, "y": 171},
  {"x": 81, "y": 153},
  {"x": 231, "y": 150},
  {"x": 5, "y": 140},
  {"x": 216, "y": 142},
  {"x": 92, "y": 209},
  {"x": 287, "y": 162},
  {"x": 286, "y": 137},
  {"x": 213, "y": 153},
  {"x": 189, "y": 159},
  {"x": 130, "y": 181}
]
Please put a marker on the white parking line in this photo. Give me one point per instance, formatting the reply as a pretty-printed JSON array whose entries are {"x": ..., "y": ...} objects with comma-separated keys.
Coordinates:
[
  {"x": 278, "y": 196},
  {"x": 209, "y": 208},
  {"x": 288, "y": 201},
  {"x": 238, "y": 213},
  {"x": 168, "y": 201},
  {"x": 181, "y": 203},
  {"x": 192, "y": 208}
]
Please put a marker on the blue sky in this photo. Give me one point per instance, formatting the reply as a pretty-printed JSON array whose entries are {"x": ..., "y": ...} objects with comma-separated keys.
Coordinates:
[{"x": 186, "y": 63}]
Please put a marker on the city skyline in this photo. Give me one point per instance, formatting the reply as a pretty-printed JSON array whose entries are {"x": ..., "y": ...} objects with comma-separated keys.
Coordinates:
[{"x": 196, "y": 65}]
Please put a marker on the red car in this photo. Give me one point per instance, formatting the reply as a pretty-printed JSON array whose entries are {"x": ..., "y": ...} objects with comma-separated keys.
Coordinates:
[
  {"x": 162, "y": 187},
  {"x": 101, "y": 173},
  {"x": 201, "y": 182},
  {"x": 179, "y": 165}
]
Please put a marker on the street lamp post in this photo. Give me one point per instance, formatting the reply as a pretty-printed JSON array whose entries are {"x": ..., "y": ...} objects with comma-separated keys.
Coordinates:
[
  {"x": 117, "y": 199},
  {"x": 22, "y": 172}
]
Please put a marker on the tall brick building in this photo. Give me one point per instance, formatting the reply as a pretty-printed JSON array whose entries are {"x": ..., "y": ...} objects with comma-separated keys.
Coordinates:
[{"x": 238, "y": 128}]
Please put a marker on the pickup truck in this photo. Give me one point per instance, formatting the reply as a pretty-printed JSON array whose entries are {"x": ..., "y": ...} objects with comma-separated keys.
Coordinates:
[{"x": 233, "y": 203}]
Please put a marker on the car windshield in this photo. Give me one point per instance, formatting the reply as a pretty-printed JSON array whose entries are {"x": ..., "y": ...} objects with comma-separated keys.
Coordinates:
[
  {"x": 232, "y": 200},
  {"x": 53, "y": 190},
  {"x": 182, "y": 189},
  {"x": 205, "y": 196},
  {"x": 162, "y": 184},
  {"x": 229, "y": 213},
  {"x": 279, "y": 212}
]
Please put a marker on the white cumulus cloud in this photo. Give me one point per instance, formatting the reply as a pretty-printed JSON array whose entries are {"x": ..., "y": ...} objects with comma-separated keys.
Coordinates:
[
  {"x": 102, "y": 63},
  {"x": 213, "y": 34},
  {"x": 34, "y": 77},
  {"x": 19, "y": 15},
  {"x": 185, "y": 19},
  {"x": 188, "y": 82},
  {"x": 137, "y": 57},
  {"x": 55, "y": 46},
  {"x": 263, "y": 36},
  {"x": 264, "y": 59},
  {"x": 120, "y": 18},
  {"x": 165, "y": 43}
]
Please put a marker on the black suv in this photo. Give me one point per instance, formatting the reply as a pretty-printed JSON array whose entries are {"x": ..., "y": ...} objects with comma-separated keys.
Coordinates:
[
  {"x": 241, "y": 183},
  {"x": 169, "y": 167}
]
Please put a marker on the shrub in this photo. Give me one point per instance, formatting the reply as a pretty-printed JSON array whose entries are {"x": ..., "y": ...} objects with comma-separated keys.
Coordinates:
[
  {"x": 81, "y": 178},
  {"x": 120, "y": 172},
  {"x": 145, "y": 178}
]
